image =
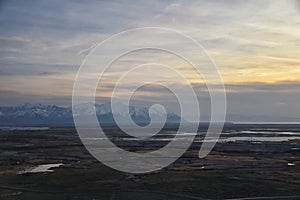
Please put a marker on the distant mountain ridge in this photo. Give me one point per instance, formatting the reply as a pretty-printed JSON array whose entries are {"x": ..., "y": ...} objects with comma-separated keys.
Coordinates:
[{"x": 52, "y": 115}]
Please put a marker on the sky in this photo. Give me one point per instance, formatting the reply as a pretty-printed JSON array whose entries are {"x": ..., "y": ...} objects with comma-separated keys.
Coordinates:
[{"x": 255, "y": 45}]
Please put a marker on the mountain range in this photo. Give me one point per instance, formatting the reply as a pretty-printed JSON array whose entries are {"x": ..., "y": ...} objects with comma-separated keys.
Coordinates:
[{"x": 52, "y": 115}]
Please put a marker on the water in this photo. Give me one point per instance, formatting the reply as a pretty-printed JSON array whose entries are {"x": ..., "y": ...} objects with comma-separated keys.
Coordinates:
[
  {"x": 13, "y": 128},
  {"x": 251, "y": 133},
  {"x": 255, "y": 139},
  {"x": 220, "y": 140},
  {"x": 41, "y": 168}
]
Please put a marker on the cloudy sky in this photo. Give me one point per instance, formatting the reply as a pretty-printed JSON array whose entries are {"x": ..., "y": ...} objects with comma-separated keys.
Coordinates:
[{"x": 254, "y": 44}]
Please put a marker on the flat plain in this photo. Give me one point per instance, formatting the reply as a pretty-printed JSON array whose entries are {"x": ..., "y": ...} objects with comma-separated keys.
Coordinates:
[{"x": 235, "y": 169}]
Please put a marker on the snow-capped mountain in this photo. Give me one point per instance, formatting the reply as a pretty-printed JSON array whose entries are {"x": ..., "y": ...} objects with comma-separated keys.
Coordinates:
[{"x": 52, "y": 115}]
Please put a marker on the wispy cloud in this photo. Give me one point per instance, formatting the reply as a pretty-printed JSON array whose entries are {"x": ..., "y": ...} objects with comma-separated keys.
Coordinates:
[{"x": 255, "y": 44}]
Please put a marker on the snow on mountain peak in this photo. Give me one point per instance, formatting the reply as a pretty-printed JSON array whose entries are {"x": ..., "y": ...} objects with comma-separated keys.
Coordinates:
[{"x": 44, "y": 114}]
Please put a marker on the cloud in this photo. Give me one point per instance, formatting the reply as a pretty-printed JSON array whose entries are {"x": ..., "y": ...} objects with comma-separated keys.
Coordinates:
[
  {"x": 34, "y": 69},
  {"x": 279, "y": 87},
  {"x": 255, "y": 45}
]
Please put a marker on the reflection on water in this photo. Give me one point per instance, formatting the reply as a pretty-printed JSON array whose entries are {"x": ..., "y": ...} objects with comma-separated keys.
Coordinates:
[
  {"x": 17, "y": 128},
  {"x": 291, "y": 164},
  {"x": 267, "y": 132},
  {"x": 41, "y": 168},
  {"x": 255, "y": 139},
  {"x": 257, "y": 135}
]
